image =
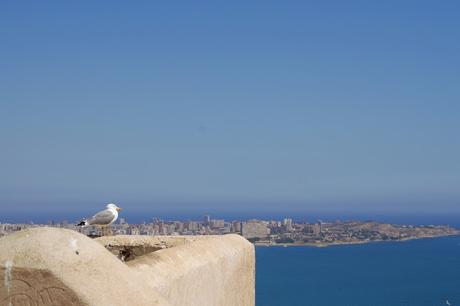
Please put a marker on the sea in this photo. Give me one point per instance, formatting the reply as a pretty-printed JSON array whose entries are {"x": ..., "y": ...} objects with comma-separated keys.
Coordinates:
[{"x": 423, "y": 272}]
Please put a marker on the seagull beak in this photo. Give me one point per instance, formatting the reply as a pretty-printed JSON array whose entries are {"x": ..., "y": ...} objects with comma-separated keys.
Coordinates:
[{"x": 118, "y": 208}]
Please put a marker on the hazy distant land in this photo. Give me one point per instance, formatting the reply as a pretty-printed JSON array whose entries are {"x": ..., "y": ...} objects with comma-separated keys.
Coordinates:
[
  {"x": 266, "y": 233},
  {"x": 355, "y": 232}
]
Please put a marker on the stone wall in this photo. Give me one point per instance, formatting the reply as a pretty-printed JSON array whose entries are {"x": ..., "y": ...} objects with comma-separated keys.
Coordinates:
[{"x": 48, "y": 266}]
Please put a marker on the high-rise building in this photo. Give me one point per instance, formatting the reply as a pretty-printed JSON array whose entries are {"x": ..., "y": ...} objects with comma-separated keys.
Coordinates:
[
  {"x": 179, "y": 226},
  {"x": 192, "y": 226},
  {"x": 287, "y": 222},
  {"x": 207, "y": 219},
  {"x": 217, "y": 223},
  {"x": 171, "y": 228},
  {"x": 236, "y": 227},
  {"x": 255, "y": 229},
  {"x": 317, "y": 228}
]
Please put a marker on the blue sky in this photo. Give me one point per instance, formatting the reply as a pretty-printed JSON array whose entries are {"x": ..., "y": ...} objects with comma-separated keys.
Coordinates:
[{"x": 230, "y": 105}]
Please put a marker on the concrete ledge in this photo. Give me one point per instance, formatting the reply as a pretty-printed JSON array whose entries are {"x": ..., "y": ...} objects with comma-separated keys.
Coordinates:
[
  {"x": 196, "y": 270},
  {"x": 49, "y": 266},
  {"x": 129, "y": 247}
]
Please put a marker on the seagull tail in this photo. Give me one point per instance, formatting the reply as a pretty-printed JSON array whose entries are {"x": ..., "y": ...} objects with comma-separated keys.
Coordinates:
[{"x": 82, "y": 223}]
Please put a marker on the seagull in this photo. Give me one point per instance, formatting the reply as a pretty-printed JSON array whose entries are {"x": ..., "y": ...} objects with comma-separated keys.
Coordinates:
[{"x": 102, "y": 218}]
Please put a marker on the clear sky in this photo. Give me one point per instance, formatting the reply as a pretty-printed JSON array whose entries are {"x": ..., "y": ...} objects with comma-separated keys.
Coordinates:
[{"x": 230, "y": 105}]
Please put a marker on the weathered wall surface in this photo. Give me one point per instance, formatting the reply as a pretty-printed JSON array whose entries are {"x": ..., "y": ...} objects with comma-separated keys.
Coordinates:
[
  {"x": 67, "y": 261},
  {"x": 48, "y": 266},
  {"x": 198, "y": 270}
]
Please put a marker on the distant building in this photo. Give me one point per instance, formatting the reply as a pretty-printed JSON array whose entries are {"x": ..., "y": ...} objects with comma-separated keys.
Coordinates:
[
  {"x": 192, "y": 225},
  {"x": 206, "y": 219},
  {"x": 171, "y": 229},
  {"x": 255, "y": 229},
  {"x": 226, "y": 229},
  {"x": 236, "y": 226},
  {"x": 317, "y": 228},
  {"x": 135, "y": 231},
  {"x": 287, "y": 222},
  {"x": 156, "y": 229},
  {"x": 179, "y": 226},
  {"x": 217, "y": 223}
]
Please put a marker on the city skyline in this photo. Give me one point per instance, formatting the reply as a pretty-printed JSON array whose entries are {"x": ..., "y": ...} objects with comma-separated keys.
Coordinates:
[{"x": 259, "y": 231}]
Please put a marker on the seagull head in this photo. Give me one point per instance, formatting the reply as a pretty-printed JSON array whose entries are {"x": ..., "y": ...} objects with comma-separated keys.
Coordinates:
[{"x": 113, "y": 206}]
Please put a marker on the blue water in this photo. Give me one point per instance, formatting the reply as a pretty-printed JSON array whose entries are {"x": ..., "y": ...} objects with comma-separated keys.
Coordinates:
[{"x": 422, "y": 272}]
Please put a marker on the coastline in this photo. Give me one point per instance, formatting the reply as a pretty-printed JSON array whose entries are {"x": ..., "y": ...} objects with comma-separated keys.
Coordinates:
[{"x": 339, "y": 243}]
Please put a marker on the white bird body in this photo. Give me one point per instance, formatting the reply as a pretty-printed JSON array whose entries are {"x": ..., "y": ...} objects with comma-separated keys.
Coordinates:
[{"x": 104, "y": 217}]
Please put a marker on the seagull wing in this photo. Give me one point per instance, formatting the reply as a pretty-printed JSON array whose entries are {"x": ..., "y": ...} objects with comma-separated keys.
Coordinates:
[{"x": 104, "y": 217}]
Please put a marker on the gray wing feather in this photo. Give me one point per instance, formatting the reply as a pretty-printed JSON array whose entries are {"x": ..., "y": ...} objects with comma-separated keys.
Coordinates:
[{"x": 102, "y": 218}]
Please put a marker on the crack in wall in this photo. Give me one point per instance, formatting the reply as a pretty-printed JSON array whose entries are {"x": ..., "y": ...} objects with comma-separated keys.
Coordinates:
[{"x": 8, "y": 277}]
